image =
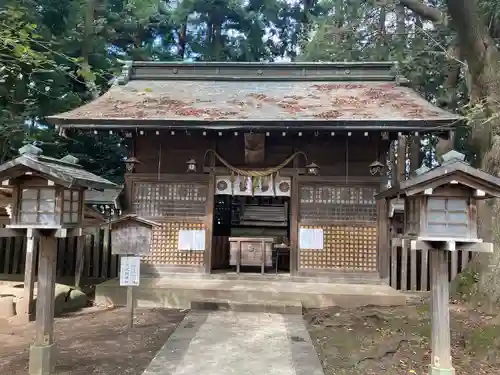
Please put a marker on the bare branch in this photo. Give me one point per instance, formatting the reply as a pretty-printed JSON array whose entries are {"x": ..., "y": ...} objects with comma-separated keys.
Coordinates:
[{"x": 425, "y": 12}]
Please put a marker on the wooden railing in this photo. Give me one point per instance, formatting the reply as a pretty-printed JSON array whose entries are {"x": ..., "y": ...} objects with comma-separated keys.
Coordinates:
[
  {"x": 410, "y": 269},
  {"x": 98, "y": 262}
]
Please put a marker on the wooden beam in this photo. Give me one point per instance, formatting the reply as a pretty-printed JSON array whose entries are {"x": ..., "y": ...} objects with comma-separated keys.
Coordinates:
[
  {"x": 42, "y": 355},
  {"x": 7, "y": 232},
  {"x": 450, "y": 245},
  {"x": 29, "y": 276}
]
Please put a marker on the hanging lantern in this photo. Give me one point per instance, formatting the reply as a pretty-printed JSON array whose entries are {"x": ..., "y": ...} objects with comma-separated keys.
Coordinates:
[
  {"x": 376, "y": 168},
  {"x": 130, "y": 163},
  {"x": 312, "y": 169},
  {"x": 191, "y": 165}
]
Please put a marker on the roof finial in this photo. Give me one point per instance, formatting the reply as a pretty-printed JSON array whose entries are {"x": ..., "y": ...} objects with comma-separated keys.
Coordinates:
[
  {"x": 70, "y": 159},
  {"x": 30, "y": 149},
  {"x": 452, "y": 156}
]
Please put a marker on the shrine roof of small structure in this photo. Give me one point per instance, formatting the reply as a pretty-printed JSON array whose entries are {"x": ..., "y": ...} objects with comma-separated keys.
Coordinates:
[
  {"x": 456, "y": 172},
  {"x": 110, "y": 196},
  {"x": 218, "y": 95},
  {"x": 131, "y": 218},
  {"x": 64, "y": 172}
]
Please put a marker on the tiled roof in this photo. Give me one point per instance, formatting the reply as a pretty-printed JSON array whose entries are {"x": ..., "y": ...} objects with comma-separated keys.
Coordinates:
[{"x": 165, "y": 100}]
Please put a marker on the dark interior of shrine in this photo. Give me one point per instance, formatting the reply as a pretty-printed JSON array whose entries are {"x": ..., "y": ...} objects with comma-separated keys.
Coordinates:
[{"x": 251, "y": 217}]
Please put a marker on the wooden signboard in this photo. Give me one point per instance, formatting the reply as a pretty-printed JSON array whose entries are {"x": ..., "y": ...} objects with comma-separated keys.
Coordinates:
[{"x": 131, "y": 235}]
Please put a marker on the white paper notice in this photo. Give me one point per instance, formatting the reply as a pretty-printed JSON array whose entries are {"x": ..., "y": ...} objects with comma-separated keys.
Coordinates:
[
  {"x": 311, "y": 239},
  {"x": 191, "y": 239},
  {"x": 130, "y": 270}
]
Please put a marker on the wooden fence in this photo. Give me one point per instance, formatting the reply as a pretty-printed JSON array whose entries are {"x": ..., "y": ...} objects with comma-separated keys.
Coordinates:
[
  {"x": 98, "y": 262},
  {"x": 410, "y": 269}
]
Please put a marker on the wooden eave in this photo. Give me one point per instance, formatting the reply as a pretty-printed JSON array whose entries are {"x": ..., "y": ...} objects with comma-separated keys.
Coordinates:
[
  {"x": 61, "y": 173},
  {"x": 367, "y": 96},
  {"x": 457, "y": 171}
]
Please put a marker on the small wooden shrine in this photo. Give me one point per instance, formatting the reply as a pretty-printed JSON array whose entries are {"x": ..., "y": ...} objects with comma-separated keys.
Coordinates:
[{"x": 269, "y": 152}]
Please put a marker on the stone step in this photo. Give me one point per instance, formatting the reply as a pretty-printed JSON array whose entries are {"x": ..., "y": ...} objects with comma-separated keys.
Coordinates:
[
  {"x": 340, "y": 278},
  {"x": 178, "y": 293},
  {"x": 268, "y": 306}
]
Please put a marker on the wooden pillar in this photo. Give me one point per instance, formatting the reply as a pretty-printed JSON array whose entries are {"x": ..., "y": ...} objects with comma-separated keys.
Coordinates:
[
  {"x": 209, "y": 223},
  {"x": 80, "y": 250},
  {"x": 414, "y": 153},
  {"x": 294, "y": 220},
  {"x": 209, "y": 217},
  {"x": 440, "y": 319},
  {"x": 401, "y": 158},
  {"x": 392, "y": 163},
  {"x": 42, "y": 356},
  {"x": 29, "y": 275},
  {"x": 383, "y": 239}
]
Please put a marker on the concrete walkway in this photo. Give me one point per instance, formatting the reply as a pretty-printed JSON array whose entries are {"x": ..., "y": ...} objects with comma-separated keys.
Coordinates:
[{"x": 239, "y": 343}]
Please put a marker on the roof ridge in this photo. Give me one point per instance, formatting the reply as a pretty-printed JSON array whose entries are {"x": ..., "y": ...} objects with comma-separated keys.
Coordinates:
[{"x": 260, "y": 71}]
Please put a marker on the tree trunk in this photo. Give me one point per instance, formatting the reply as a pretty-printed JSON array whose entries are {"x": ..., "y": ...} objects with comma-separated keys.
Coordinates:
[
  {"x": 182, "y": 39},
  {"x": 483, "y": 63}
]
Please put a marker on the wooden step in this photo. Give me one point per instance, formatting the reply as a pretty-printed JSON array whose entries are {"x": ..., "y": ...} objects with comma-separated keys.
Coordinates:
[{"x": 268, "y": 306}]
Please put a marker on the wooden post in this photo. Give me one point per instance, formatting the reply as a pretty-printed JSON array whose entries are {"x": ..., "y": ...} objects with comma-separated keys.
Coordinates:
[
  {"x": 130, "y": 306},
  {"x": 29, "y": 275},
  {"x": 209, "y": 223},
  {"x": 440, "y": 319},
  {"x": 80, "y": 250},
  {"x": 401, "y": 159},
  {"x": 294, "y": 220},
  {"x": 41, "y": 361},
  {"x": 383, "y": 246}
]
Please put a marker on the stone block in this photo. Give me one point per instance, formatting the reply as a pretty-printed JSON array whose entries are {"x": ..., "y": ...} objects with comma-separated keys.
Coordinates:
[
  {"x": 7, "y": 307},
  {"x": 42, "y": 359}
]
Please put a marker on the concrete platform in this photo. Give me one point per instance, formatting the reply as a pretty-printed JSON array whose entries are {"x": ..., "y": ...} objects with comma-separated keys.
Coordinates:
[
  {"x": 179, "y": 292},
  {"x": 237, "y": 343}
]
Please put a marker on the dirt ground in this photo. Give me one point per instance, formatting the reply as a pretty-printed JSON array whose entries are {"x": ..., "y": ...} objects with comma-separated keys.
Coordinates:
[
  {"x": 94, "y": 341},
  {"x": 395, "y": 341}
]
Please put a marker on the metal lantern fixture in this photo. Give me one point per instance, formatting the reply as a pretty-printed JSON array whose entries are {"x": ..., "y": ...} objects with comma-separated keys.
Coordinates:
[
  {"x": 312, "y": 169},
  {"x": 191, "y": 165},
  {"x": 376, "y": 168},
  {"x": 130, "y": 163}
]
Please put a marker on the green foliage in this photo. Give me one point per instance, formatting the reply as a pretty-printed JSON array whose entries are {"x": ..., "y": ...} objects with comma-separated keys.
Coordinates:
[{"x": 58, "y": 54}]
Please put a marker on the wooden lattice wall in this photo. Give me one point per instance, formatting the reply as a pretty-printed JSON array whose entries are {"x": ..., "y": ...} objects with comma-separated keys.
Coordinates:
[
  {"x": 346, "y": 247},
  {"x": 348, "y": 217},
  {"x": 169, "y": 199},
  {"x": 164, "y": 247},
  {"x": 176, "y": 206}
]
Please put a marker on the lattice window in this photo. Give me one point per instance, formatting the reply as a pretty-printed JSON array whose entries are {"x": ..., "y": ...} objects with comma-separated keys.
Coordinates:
[
  {"x": 338, "y": 203},
  {"x": 38, "y": 206},
  {"x": 164, "y": 246},
  {"x": 448, "y": 217},
  {"x": 346, "y": 247},
  {"x": 160, "y": 199},
  {"x": 71, "y": 206}
]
